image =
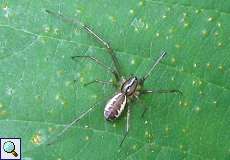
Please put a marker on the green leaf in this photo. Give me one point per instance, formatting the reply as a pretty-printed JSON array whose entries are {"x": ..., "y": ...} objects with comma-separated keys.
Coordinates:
[{"x": 41, "y": 88}]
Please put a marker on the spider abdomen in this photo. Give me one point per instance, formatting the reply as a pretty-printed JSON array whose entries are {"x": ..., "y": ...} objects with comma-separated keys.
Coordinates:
[{"x": 115, "y": 106}]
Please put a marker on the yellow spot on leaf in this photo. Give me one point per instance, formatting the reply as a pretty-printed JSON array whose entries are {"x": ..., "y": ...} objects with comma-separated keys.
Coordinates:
[
  {"x": 38, "y": 97},
  {"x": 50, "y": 129},
  {"x": 208, "y": 65},
  {"x": 199, "y": 82},
  {"x": 205, "y": 32},
  {"x": 94, "y": 96},
  {"x": 6, "y": 11},
  {"x": 5, "y": 8},
  {"x": 141, "y": 3},
  {"x": 56, "y": 31},
  {"x": 67, "y": 83},
  {"x": 184, "y": 130},
  {"x": 185, "y": 104},
  {"x": 177, "y": 46},
  {"x": 219, "y": 24},
  {"x": 216, "y": 33},
  {"x": 186, "y": 24},
  {"x": 182, "y": 19},
  {"x": 210, "y": 19},
  {"x": 77, "y": 31},
  {"x": 219, "y": 44},
  {"x": 62, "y": 100},
  {"x": 132, "y": 61},
  {"x": 3, "y": 112},
  {"x": 131, "y": 11},
  {"x": 36, "y": 138},
  {"x": 134, "y": 147},
  {"x": 60, "y": 72},
  {"x": 112, "y": 18},
  {"x": 193, "y": 82},
  {"x": 166, "y": 129},
  {"x": 46, "y": 29},
  {"x": 78, "y": 74},
  {"x": 78, "y": 11},
  {"x": 57, "y": 97},
  {"x": 220, "y": 67},
  {"x": 81, "y": 79},
  {"x": 197, "y": 11},
  {"x": 173, "y": 60},
  {"x": 10, "y": 91},
  {"x": 181, "y": 69},
  {"x": 171, "y": 30},
  {"x": 157, "y": 34},
  {"x": 197, "y": 109}
]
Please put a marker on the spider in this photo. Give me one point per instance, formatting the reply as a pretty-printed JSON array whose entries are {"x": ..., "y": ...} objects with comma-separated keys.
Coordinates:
[{"x": 128, "y": 89}]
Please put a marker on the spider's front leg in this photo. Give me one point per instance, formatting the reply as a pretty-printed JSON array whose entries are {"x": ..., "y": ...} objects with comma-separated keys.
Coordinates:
[{"x": 96, "y": 36}]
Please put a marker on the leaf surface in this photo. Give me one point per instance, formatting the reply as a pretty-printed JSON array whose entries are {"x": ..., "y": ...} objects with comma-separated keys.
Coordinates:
[{"x": 41, "y": 88}]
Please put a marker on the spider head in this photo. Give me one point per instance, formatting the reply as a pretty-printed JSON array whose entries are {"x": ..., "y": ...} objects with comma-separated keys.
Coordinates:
[{"x": 129, "y": 86}]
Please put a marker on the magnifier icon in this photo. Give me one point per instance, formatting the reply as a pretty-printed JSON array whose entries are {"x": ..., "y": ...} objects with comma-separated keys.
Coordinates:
[{"x": 9, "y": 147}]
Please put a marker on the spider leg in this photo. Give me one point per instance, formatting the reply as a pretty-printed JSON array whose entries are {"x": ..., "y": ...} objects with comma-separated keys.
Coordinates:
[
  {"x": 161, "y": 91},
  {"x": 145, "y": 108},
  {"x": 94, "y": 35},
  {"x": 50, "y": 142},
  {"x": 143, "y": 92},
  {"x": 144, "y": 111},
  {"x": 99, "y": 81},
  {"x": 94, "y": 59},
  {"x": 143, "y": 104},
  {"x": 127, "y": 126},
  {"x": 152, "y": 67}
]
